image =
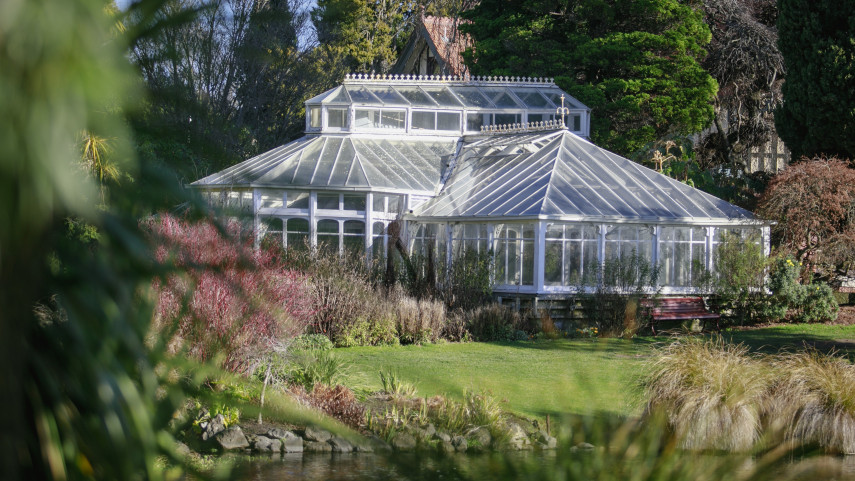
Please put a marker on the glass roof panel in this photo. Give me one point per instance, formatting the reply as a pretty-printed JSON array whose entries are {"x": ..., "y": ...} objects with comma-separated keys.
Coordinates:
[
  {"x": 443, "y": 97},
  {"x": 338, "y": 96},
  {"x": 416, "y": 96},
  {"x": 362, "y": 96},
  {"x": 533, "y": 99},
  {"x": 502, "y": 98},
  {"x": 472, "y": 97},
  {"x": 388, "y": 95},
  {"x": 555, "y": 96}
]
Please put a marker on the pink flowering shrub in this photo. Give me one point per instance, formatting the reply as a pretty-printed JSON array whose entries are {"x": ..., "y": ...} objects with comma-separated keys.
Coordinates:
[{"x": 226, "y": 301}]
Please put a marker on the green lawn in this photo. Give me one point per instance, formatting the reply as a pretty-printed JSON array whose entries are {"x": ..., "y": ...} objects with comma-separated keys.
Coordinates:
[
  {"x": 558, "y": 377},
  {"x": 536, "y": 378}
]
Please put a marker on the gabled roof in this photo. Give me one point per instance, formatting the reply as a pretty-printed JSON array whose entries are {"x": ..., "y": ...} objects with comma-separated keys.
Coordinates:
[
  {"x": 557, "y": 174},
  {"x": 443, "y": 38},
  {"x": 362, "y": 163}
]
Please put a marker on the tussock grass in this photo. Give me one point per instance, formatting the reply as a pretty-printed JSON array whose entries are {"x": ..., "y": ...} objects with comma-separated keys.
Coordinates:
[
  {"x": 813, "y": 401},
  {"x": 712, "y": 394}
]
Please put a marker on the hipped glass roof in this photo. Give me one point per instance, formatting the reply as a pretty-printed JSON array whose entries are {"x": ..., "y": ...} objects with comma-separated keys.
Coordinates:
[
  {"x": 557, "y": 174},
  {"x": 344, "y": 162},
  {"x": 452, "y": 95}
]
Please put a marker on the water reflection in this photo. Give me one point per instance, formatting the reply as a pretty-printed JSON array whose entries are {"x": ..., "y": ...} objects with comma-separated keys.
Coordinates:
[{"x": 366, "y": 466}]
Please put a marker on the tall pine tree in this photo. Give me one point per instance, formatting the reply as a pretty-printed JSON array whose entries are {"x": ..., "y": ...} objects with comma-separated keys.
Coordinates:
[
  {"x": 635, "y": 63},
  {"x": 817, "y": 39}
]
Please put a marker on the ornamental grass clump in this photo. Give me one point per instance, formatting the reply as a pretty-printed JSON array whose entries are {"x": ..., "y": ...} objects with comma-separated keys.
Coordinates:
[
  {"x": 813, "y": 402},
  {"x": 711, "y": 394}
]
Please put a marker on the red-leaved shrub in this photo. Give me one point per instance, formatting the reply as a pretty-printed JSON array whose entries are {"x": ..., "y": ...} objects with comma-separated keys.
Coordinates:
[
  {"x": 227, "y": 300},
  {"x": 336, "y": 401}
]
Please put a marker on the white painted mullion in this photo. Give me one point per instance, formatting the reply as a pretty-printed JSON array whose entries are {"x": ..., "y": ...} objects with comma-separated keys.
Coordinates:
[
  {"x": 539, "y": 255},
  {"x": 313, "y": 223},
  {"x": 369, "y": 227}
]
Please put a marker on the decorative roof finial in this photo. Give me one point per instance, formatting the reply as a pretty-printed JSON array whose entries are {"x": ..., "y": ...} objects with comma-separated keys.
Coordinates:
[{"x": 562, "y": 111}]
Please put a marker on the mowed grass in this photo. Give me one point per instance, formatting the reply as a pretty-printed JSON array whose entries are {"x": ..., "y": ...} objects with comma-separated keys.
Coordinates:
[
  {"x": 530, "y": 378},
  {"x": 568, "y": 376}
]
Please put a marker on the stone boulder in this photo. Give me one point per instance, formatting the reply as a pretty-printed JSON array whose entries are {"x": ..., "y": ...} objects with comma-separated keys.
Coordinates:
[
  {"x": 518, "y": 437},
  {"x": 291, "y": 443},
  {"x": 583, "y": 447},
  {"x": 311, "y": 433},
  {"x": 459, "y": 443},
  {"x": 232, "y": 439},
  {"x": 445, "y": 447},
  {"x": 403, "y": 442},
  {"x": 479, "y": 439},
  {"x": 263, "y": 444},
  {"x": 317, "y": 447},
  {"x": 545, "y": 441},
  {"x": 213, "y": 427},
  {"x": 340, "y": 445},
  {"x": 442, "y": 437}
]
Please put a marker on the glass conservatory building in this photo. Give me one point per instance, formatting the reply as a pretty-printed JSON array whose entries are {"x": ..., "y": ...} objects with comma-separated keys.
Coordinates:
[{"x": 487, "y": 165}]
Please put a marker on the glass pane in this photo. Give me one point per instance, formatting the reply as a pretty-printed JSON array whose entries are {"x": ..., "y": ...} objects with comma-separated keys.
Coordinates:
[
  {"x": 297, "y": 225},
  {"x": 354, "y": 202},
  {"x": 354, "y": 227},
  {"x": 591, "y": 266},
  {"x": 540, "y": 117},
  {"x": 501, "y": 98},
  {"x": 378, "y": 204},
  {"x": 328, "y": 201},
  {"x": 354, "y": 245},
  {"x": 666, "y": 263},
  {"x": 341, "y": 97},
  {"x": 379, "y": 228},
  {"x": 532, "y": 98},
  {"x": 443, "y": 97},
  {"x": 315, "y": 116},
  {"x": 367, "y": 119},
  {"x": 681, "y": 234},
  {"x": 554, "y": 95},
  {"x": 528, "y": 231},
  {"x": 328, "y": 243},
  {"x": 271, "y": 225},
  {"x": 474, "y": 122},
  {"x": 555, "y": 231},
  {"x": 297, "y": 199},
  {"x": 360, "y": 95},
  {"x": 272, "y": 199},
  {"x": 394, "y": 204},
  {"x": 576, "y": 125},
  {"x": 514, "y": 261},
  {"x": 393, "y": 119},
  {"x": 699, "y": 234},
  {"x": 424, "y": 120},
  {"x": 448, "y": 121},
  {"x": 297, "y": 240},
  {"x": 508, "y": 119},
  {"x": 337, "y": 118},
  {"x": 328, "y": 226},
  {"x": 415, "y": 96},
  {"x": 471, "y": 97},
  {"x": 552, "y": 264},
  {"x": 528, "y": 263},
  {"x": 388, "y": 95},
  {"x": 573, "y": 263},
  {"x": 682, "y": 262},
  {"x": 501, "y": 262}
]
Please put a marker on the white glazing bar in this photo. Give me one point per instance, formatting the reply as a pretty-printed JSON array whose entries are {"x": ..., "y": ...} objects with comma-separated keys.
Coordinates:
[
  {"x": 601, "y": 250},
  {"x": 709, "y": 248},
  {"x": 256, "y": 204},
  {"x": 313, "y": 226},
  {"x": 654, "y": 257},
  {"x": 539, "y": 255},
  {"x": 369, "y": 227},
  {"x": 765, "y": 235},
  {"x": 491, "y": 248}
]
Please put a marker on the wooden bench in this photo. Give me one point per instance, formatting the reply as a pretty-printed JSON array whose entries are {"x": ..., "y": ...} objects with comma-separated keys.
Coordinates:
[{"x": 678, "y": 309}]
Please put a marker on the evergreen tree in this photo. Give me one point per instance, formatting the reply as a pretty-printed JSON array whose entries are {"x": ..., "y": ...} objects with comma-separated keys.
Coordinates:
[
  {"x": 636, "y": 64},
  {"x": 817, "y": 39}
]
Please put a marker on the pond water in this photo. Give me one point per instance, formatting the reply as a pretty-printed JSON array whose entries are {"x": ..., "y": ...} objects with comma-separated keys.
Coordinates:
[
  {"x": 391, "y": 466},
  {"x": 504, "y": 465}
]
